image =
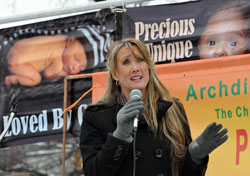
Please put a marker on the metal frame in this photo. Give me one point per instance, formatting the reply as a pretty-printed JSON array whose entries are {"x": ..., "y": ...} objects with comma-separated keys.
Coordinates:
[{"x": 65, "y": 105}]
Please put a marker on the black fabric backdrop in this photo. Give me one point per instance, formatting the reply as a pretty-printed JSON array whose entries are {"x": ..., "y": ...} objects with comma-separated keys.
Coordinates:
[{"x": 38, "y": 113}]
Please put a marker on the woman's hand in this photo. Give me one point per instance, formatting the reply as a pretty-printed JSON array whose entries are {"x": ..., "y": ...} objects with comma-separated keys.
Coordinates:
[
  {"x": 125, "y": 119},
  {"x": 210, "y": 139}
]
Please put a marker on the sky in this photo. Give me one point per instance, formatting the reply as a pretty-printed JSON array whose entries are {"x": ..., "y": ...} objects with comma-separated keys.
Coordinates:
[
  {"x": 14, "y": 7},
  {"x": 10, "y": 8}
]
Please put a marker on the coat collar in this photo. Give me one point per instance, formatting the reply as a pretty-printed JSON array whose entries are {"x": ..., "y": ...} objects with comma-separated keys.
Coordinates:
[{"x": 162, "y": 107}]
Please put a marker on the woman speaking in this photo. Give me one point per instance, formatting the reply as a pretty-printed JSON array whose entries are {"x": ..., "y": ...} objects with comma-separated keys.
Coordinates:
[{"x": 162, "y": 145}]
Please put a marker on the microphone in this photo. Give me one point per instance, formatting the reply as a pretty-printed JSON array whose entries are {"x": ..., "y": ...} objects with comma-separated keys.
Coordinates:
[{"x": 135, "y": 93}]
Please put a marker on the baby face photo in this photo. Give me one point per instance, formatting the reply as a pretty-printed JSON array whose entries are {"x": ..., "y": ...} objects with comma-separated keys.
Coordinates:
[{"x": 226, "y": 33}]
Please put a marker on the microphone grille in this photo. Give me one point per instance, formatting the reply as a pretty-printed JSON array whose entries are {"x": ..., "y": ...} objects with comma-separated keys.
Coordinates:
[{"x": 135, "y": 93}]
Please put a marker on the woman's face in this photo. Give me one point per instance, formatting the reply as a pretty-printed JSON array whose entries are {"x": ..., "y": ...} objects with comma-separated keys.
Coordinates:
[
  {"x": 132, "y": 72},
  {"x": 225, "y": 35}
]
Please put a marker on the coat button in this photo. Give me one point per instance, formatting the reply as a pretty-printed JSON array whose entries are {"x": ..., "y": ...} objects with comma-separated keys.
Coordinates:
[
  {"x": 160, "y": 174},
  {"x": 116, "y": 157},
  {"x": 158, "y": 153},
  {"x": 119, "y": 147},
  {"x": 137, "y": 155},
  {"x": 118, "y": 152}
]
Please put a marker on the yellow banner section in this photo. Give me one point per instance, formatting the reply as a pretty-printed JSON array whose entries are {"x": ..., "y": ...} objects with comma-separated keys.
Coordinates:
[{"x": 212, "y": 90}]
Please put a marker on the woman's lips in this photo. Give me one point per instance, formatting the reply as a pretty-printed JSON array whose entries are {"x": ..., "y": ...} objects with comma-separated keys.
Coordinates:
[{"x": 134, "y": 78}]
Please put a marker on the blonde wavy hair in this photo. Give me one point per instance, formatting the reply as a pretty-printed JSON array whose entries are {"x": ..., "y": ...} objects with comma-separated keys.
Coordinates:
[{"x": 172, "y": 126}]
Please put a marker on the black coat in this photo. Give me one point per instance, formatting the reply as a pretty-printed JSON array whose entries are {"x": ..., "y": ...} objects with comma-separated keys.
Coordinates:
[{"x": 105, "y": 155}]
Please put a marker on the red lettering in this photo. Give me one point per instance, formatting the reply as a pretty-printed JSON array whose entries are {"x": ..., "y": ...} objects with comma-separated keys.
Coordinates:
[{"x": 239, "y": 147}]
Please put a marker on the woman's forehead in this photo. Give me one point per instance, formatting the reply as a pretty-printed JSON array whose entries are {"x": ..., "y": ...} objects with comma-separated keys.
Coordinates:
[{"x": 129, "y": 51}]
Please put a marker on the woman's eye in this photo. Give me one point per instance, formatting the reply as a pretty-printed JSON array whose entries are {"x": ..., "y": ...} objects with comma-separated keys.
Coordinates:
[
  {"x": 233, "y": 43},
  {"x": 211, "y": 43},
  {"x": 140, "y": 59},
  {"x": 125, "y": 62}
]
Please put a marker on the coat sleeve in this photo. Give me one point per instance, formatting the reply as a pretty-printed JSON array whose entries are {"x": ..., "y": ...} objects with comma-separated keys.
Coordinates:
[
  {"x": 102, "y": 154},
  {"x": 188, "y": 166}
]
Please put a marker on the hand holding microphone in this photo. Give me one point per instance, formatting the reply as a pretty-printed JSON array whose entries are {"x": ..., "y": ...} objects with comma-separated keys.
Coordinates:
[{"x": 126, "y": 116}]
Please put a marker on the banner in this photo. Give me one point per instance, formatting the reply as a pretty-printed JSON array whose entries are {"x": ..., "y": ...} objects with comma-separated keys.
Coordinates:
[
  {"x": 35, "y": 58},
  {"x": 212, "y": 90},
  {"x": 216, "y": 90},
  {"x": 192, "y": 30}
]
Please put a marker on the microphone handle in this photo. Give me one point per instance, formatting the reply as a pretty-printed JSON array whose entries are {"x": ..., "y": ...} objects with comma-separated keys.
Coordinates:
[{"x": 136, "y": 121}]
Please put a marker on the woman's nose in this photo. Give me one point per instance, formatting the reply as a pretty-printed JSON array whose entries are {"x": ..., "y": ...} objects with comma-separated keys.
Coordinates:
[{"x": 135, "y": 67}]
